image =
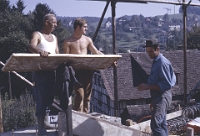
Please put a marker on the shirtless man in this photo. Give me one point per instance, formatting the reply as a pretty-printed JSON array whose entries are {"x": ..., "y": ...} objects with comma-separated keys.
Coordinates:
[
  {"x": 44, "y": 43},
  {"x": 78, "y": 43}
]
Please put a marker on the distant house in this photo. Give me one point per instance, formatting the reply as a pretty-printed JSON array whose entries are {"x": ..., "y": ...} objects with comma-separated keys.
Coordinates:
[
  {"x": 160, "y": 22},
  {"x": 134, "y": 29},
  {"x": 108, "y": 24},
  {"x": 174, "y": 27},
  {"x": 121, "y": 21},
  {"x": 132, "y": 69},
  {"x": 71, "y": 23}
]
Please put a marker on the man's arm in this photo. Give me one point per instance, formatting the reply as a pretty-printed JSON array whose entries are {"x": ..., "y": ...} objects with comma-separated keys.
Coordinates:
[
  {"x": 92, "y": 48},
  {"x": 166, "y": 79},
  {"x": 57, "y": 49},
  {"x": 66, "y": 48},
  {"x": 35, "y": 40},
  {"x": 143, "y": 86}
]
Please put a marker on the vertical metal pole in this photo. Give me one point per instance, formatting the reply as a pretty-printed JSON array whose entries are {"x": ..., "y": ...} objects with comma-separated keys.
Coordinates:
[
  {"x": 113, "y": 4},
  {"x": 1, "y": 117},
  {"x": 10, "y": 86},
  {"x": 184, "y": 52}
]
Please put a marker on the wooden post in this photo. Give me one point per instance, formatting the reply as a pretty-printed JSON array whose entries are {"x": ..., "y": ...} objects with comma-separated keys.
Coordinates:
[
  {"x": 10, "y": 86},
  {"x": 189, "y": 131},
  {"x": 1, "y": 119},
  {"x": 116, "y": 107},
  {"x": 65, "y": 125}
]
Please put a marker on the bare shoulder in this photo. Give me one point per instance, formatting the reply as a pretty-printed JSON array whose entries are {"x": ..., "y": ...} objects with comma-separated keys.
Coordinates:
[
  {"x": 86, "y": 37},
  {"x": 68, "y": 41},
  {"x": 35, "y": 35}
]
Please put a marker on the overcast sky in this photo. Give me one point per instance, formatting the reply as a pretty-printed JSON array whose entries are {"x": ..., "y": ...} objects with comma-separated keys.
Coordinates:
[{"x": 75, "y": 8}]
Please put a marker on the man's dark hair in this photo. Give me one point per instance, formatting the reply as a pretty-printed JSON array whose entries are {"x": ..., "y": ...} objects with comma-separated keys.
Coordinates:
[{"x": 79, "y": 22}]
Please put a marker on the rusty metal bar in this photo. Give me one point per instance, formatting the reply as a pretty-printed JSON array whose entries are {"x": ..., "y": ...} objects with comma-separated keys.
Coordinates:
[
  {"x": 153, "y": 1},
  {"x": 21, "y": 77},
  {"x": 100, "y": 22}
]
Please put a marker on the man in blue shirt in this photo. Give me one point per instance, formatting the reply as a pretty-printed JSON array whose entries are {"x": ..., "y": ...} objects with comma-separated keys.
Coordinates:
[{"x": 160, "y": 82}]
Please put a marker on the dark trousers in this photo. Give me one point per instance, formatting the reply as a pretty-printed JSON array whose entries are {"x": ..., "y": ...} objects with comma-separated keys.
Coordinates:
[
  {"x": 158, "y": 121},
  {"x": 43, "y": 90},
  {"x": 83, "y": 91}
]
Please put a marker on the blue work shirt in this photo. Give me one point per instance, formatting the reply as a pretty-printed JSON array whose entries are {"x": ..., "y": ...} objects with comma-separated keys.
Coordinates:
[{"x": 162, "y": 74}]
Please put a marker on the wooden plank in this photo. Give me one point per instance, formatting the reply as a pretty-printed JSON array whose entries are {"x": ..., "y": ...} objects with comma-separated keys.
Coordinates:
[{"x": 27, "y": 62}]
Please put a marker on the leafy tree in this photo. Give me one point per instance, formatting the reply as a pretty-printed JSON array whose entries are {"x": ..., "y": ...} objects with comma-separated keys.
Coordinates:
[
  {"x": 156, "y": 19},
  {"x": 193, "y": 41},
  {"x": 166, "y": 17},
  {"x": 142, "y": 19},
  {"x": 39, "y": 12},
  {"x": 136, "y": 20},
  {"x": 61, "y": 34},
  {"x": 4, "y": 5},
  {"x": 101, "y": 42},
  {"x": 175, "y": 38},
  {"x": 13, "y": 34},
  {"x": 20, "y": 5},
  {"x": 14, "y": 31}
]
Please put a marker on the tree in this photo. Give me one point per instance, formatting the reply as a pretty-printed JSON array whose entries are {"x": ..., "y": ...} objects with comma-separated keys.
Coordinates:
[
  {"x": 136, "y": 20},
  {"x": 193, "y": 41},
  {"x": 174, "y": 38},
  {"x": 20, "y": 5},
  {"x": 39, "y": 12},
  {"x": 142, "y": 19},
  {"x": 14, "y": 31},
  {"x": 4, "y": 5},
  {"x": 101, "y": 42},
  {"x": 13, "y": 34},
  {"x": 61, "y": 34},
  {"x": 166, "y": 17}
]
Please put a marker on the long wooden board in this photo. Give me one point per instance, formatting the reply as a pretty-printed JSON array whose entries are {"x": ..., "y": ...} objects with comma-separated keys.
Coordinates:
[{"x": 27, "y": 62}]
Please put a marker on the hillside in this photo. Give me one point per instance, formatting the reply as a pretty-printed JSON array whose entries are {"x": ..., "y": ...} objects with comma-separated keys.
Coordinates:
[{"x": 132, "y": 31}]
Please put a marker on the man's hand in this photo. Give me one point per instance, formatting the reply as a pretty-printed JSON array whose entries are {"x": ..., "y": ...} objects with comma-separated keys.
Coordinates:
[
  {"x": 114, "y": 64},
  {"x": 143, "y": 86},
  {"x": 43, "y": 53},
  {"x": 151, "y": 106}
]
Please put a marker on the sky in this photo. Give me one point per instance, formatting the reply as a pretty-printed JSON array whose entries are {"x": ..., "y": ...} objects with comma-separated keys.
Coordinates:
[{"x": 80, "y": 8}]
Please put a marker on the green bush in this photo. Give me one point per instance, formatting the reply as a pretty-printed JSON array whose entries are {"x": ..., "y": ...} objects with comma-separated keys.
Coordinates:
[{"x": 18, "y": 113}]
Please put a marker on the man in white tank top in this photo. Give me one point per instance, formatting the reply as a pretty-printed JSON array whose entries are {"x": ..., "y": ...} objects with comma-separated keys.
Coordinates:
[{"x": 44, "y": 43}]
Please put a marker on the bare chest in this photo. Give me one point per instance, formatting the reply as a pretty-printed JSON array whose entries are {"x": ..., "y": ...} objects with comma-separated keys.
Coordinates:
[{"x": 79, "y": 47}]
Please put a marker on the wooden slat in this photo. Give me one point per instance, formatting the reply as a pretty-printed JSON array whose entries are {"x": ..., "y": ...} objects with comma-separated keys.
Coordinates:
[{"x": 27, "y": 62}]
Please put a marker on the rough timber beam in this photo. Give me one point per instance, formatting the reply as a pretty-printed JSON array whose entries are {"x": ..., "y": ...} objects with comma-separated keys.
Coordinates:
[{"x": 178, "y": 2}]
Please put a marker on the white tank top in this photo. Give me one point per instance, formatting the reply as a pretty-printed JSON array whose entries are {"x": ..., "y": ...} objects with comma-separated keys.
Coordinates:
[{"x": 47, "y": 46}]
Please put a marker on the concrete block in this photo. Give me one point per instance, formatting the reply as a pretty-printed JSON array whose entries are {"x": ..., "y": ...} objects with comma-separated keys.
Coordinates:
[{"x": 86, "y": 125}]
